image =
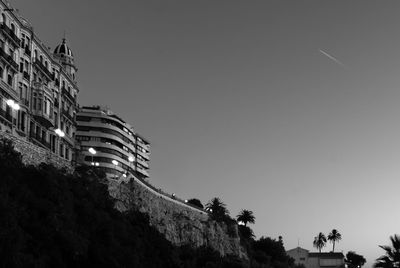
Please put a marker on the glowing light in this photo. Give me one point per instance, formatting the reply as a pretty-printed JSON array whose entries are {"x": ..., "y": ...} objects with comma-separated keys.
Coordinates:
[
  {"x": 92, "y": 151},
  {"x": 115, "y": 162},
  {"x": 59, "y": 132},
  {"x": 13, "y": 104},
  {"x": 131, "y": 159}
]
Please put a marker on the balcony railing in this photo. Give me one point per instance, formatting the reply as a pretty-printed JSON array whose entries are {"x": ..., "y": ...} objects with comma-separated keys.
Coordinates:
[
  {"x": 10, "y": 33},
  {"x": 66, "y": 113},
  {"x": 65, "y": 92},
  {"x": 43, "y": 69},
  {"x": 9, "y": 59}
]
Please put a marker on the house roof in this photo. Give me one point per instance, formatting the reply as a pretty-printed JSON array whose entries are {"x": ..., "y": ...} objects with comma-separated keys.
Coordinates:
[
  {"x": 297, "y": 249},
  {"x": 326, "y": 255}
]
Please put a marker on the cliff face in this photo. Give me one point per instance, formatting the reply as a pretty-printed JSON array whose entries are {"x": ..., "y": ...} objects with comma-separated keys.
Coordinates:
[{"x": 180, "y": 224}]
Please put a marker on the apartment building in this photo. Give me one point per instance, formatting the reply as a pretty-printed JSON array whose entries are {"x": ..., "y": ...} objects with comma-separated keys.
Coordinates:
[{"x": 108, "y": 142}]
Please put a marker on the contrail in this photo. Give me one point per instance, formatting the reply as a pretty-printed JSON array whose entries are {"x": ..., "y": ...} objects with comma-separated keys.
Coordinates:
[{"x": 331, "y": 57}]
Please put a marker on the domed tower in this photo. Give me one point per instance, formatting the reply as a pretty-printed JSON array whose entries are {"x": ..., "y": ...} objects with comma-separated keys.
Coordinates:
[{"x": 64, "y": 54}]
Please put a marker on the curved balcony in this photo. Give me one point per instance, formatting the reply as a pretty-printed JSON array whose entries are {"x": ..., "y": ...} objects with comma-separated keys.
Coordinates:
[
  {"x": 98, "y": 134},
  {"x": 42, "y": 118},
  {"x": 145, "y": 155},
  {"x": 106, "y": 126},
  {"x": 107, "y": 146},
  {"x": 143, "y": 163}
]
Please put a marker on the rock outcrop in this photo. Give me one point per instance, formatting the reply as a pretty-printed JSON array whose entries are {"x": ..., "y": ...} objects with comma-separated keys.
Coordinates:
[{"x": 180, "y": 223}]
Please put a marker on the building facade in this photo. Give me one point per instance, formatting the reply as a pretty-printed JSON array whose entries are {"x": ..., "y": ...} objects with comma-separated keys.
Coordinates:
[
  {"x": 107, "y": 141},
  {"x": 38, "y": 89},
  {"x": 317, "y": 259}
]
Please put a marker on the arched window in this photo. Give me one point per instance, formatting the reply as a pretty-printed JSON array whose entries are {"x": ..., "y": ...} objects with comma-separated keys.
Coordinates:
[
  {"x": 35, "y": 55},
  {"x": 46, "y": 64},
  {"x": 41, "y": 58},
  {"x": 3, "y": 18},
  {"x": 13, "y": 27},
  {"x": 1, "y": 73}
]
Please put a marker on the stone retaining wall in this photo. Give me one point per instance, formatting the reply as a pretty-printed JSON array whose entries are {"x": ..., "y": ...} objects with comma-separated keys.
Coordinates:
[
  {"x": 180, "y": 224},
  {"x": 34, "y": 155}
]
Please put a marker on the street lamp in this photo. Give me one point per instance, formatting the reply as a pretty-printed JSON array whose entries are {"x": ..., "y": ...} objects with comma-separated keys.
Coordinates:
[
  {"x": 92, "y": 151},
  {"x": 59, "y": 132},
  {"x": 115, "y": 163},
  {"x": 130, "y": 159},
  {"x": 14, "y": 106}
]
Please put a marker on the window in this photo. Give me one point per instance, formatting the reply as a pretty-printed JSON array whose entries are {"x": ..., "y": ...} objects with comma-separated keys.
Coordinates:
[
  {"x": 10, "y": 79},
  {"x": 13, "y": 27},
  {"x": 3, "y": 18},
  {"x": 62, "y": 150}
]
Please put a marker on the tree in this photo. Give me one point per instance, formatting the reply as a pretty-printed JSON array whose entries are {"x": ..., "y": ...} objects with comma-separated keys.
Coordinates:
[
  {"x": 354, "y": 260},
  {"x": 195, "y": 202},
  {"x": 333, "y": 237},
  {"x": 319, "y": 241},
  {"x": 246, "y": 216},
  {"x": 217, "y": 209},
  {"x": 392, "y": 254}
]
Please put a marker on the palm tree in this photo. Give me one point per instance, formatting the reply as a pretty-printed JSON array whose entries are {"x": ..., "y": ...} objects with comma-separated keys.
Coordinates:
[
  {"x": 392, "y": 254},
  {"x": 333, "y": 237},
  {"x": 217, "y": 208},
  {"x": 246, "y": 216},
  {"x": 319, "y": 241}
]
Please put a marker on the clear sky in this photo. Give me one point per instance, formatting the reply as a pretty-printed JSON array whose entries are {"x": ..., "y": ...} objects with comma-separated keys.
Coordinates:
[{"x": 239, "y": 102}]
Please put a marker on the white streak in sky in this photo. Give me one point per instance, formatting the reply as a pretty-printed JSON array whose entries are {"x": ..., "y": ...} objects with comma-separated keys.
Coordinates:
[{"x": 331, "y": 57}]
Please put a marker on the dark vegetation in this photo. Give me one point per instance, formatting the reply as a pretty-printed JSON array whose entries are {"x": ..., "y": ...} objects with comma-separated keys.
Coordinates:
[
  {"x": 51, "y": 219},
  {"x": 354, "y": 260},
  {"x": 392, "y": 254},
  {"x": 196, "y": 202}
]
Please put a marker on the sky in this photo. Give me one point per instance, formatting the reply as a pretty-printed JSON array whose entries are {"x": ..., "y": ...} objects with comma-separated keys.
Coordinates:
[{"x": 241, "y": 101}]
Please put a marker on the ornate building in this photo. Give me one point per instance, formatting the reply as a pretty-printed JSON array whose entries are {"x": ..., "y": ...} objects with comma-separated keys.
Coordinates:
[
  {"x": 38, "y": 89},
  {"x": 109, "y": 142}
]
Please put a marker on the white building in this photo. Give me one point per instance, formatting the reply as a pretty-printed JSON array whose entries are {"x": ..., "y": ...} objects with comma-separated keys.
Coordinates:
[
  {"x": 116, "y": 147},
  {"x": 316, "y": 259}
]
